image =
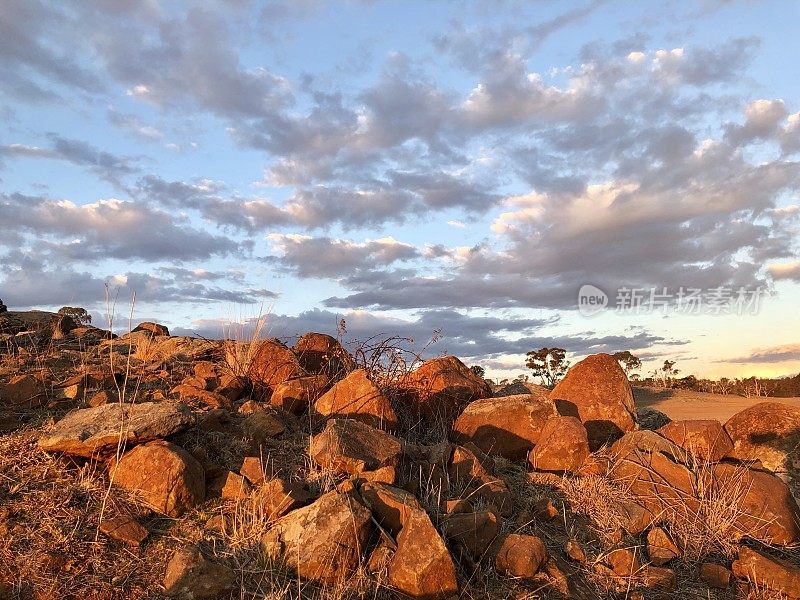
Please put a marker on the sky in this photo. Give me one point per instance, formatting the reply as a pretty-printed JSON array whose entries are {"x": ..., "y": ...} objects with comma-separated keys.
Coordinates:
[{"x": 417, "y": 168}]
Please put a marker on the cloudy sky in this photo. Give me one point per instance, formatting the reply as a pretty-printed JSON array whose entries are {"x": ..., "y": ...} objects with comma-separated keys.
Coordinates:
[{"x": 413, "y": 166}]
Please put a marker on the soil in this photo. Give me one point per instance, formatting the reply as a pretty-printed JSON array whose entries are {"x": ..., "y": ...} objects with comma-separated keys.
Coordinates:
[{"x": 688, "y": 404}]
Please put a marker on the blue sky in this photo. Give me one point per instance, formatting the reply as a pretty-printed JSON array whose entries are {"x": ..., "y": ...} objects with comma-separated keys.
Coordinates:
[{"x": 410, "y": 166}]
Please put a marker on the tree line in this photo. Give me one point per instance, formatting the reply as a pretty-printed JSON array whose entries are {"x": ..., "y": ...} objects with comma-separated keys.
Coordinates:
[{"x": 550, "y": 365}]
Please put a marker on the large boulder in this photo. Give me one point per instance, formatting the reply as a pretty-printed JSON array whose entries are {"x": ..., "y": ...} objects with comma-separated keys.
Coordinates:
[
  {"x": 323, "y": 541},
  {"x": 356, "y": 397},
  {"x": 704, "y": 440},
  {"x": 597, "y": 391},
  {"x": 323, "y": 354},
  {"x": 654, "y": 469},
  {"x": 509, "y": 426},
  {"x": 764, "y": 571},
  {"x": 442, "y": 386},
  {"x": 563, "y": 446},
  {"x": 97, "y": 432},
  {"x": 166, "y": 477},
  {"x": 768, "y": 432},
  {"x": 763, "y": 506},
  {"x": 746, "y": 502},
  {"x": 38, "y": 323},
  {"x": 273, "y": 363},
  {"x": 422, "y": 567},
  {"x": 351, "y": 447}
]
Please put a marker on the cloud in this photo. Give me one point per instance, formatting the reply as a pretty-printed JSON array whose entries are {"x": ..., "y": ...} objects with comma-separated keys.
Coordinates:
[
  {"x": 474, "y": 338},
  {"x": 134, "y": 125},
  {"x": 670, "y": 211},
  {"x": 625, "y": 163},
  {"x": 788, "y": 271},
  {"x": 762, "y": 121},
  {"x": 703, "y": 66},
  {"x": 108, "y": 229},
  {"x": 772, "y": 354},
  {"x": 36, "y": 286},
  {"x": 475, "y": 47},
  {"x": 188, "y": 60},
  {"x": 511, "y": 95},
  {"x": 404, "y": 197},
  {"x": 105, "y": 165},
  {"x": 27, "y": 32},
  {"x": 332, "y": 258},
  {"x": 615, "y": 235}
]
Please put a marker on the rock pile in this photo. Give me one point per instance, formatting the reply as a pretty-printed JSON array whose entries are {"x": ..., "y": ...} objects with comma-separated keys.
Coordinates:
[{"x": 357, "y": 495}]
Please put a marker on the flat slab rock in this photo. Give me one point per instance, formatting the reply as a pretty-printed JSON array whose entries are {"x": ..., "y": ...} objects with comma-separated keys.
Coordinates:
[
  {"x": 95, "y": 432},
  {"x": 351, "y": 447}
]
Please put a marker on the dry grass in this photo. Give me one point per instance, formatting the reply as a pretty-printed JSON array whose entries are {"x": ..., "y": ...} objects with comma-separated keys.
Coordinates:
[
  {"x": 53, "y": 508},
  {"x": 58, "y": 506},
  {"x": 52, "y": 550},
  {"x": 712, "y": 529},
  {"x": 146, "y": 348},
  {"x": 598, "y": 499},
  {"x": 241, "y": 347},
  {"x": 53, "y": 513}
]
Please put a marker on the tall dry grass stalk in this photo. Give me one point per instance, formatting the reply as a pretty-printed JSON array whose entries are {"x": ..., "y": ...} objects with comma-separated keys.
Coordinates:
[
  {"x": 122, "y": 396},
  {"x": 241, "y": 346}
]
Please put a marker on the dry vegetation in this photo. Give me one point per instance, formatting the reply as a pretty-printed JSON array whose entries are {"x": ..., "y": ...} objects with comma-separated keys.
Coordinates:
[{"x": 50, "y": 507}]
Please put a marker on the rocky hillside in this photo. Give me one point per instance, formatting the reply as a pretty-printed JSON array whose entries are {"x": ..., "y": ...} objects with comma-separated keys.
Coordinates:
[{"x": 153, "y": 466}]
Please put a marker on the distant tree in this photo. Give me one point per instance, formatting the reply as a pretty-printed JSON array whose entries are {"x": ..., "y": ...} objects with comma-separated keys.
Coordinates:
[
  {"x": 521, "y": 378},
  {"x": 478, "y": 370},
  {"x": 628, "y": 361},
  {"x": 690, "y": 382},
  {"x": 724, "y": 386},
  {"x": 666, "y": 373},
  {"x": 753, "y": 386},
  {"x": 78, "y": 314},
  {"x": 548, "y": 364}
]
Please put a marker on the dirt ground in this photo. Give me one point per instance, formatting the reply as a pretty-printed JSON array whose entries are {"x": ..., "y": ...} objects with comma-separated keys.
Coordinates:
[{"x": 687, "y": 404}]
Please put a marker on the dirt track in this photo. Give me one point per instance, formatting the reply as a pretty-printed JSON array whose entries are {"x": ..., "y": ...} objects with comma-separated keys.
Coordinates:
[{"x": 685, "y": 404}]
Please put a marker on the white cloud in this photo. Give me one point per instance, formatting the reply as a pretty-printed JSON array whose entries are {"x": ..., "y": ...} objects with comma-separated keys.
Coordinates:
[
  {"x": 637, "y": 57},
  {"x": 790, "y": 271}
]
